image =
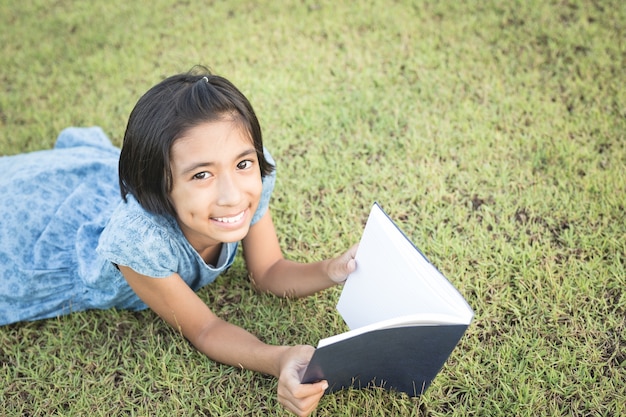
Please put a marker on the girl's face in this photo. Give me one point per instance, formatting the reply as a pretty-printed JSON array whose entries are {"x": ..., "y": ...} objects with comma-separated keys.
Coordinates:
[{"x": 216, "y": 184}]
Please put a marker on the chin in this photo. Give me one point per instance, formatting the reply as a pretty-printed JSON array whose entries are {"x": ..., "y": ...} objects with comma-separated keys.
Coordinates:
[{"x": 235, "y": 235}]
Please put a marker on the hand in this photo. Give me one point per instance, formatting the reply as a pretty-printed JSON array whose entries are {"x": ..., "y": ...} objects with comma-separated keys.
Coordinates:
[
  {"x": 300, "y": 399},
  {"x": 340, "y": 267}
]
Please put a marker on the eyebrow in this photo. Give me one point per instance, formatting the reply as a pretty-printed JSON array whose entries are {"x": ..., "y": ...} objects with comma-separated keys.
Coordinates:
[{"x": 197, "y": 165}]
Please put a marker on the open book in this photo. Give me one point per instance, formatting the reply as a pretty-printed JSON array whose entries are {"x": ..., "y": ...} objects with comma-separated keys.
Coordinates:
[{"x": 405, "y": 317}]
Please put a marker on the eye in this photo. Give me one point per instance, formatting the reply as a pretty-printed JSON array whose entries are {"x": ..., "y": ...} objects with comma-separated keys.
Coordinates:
[
  {"x": 202, "y": 175},
  {"x": 244, "y": 164}
]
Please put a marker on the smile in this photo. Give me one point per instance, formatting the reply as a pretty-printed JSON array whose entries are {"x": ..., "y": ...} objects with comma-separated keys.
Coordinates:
[{"x": 233, "y": 219}]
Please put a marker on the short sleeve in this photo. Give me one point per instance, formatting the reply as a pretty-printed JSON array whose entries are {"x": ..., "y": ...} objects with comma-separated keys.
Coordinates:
[
  {"x": 153, "y": 254},
  {"x": 268, "y": 188}
]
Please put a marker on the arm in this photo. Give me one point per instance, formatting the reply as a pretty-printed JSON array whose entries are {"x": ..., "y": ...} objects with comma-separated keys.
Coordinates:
[
  {"x": 179, "y": 306},
  {"x": 269, "y": 271}
]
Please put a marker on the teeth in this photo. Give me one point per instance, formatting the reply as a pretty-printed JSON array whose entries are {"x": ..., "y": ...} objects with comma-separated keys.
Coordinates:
[{"x": 230, "y": 219}]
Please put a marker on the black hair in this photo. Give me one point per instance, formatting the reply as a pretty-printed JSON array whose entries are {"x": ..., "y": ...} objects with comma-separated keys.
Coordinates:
[{"x": 162, "y": 115}]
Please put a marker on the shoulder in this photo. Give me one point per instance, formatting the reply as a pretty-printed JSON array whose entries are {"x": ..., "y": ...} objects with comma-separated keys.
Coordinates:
[
  {"x": 129, "y": 216},
  {"x": 269, "y": 181},
  {"x": 141, "y": 240}
]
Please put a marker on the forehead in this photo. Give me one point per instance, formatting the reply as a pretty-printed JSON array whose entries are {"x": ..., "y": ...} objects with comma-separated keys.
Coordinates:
[
  {"x": 214, "y": 128},
  {"x": 211, "y": 142}
]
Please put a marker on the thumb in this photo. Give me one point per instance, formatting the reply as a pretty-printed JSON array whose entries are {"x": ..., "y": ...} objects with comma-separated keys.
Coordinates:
[
  {"x": 321, "y": 385},
  {"x": 351, "y": 263},
  {"x": 343, "y": 265},
  {"x": 324, "y": 385},
  {"x": 311, "y": 389},
  {"x": 350, "y": 266}
]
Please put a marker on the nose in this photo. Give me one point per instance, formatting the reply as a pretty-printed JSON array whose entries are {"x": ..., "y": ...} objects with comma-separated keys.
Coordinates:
[{"x": 229, "y": 192}]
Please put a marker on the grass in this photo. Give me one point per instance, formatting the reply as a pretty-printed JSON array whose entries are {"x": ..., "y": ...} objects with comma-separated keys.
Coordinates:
[{"x": 493, "y": 131}]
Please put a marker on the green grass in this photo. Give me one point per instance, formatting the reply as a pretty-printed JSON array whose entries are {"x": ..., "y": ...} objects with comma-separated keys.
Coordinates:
[{"x": 493, "y": 131}]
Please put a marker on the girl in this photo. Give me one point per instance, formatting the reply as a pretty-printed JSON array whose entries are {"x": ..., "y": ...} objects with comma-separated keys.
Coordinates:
[{"x": 194, "y": 180}]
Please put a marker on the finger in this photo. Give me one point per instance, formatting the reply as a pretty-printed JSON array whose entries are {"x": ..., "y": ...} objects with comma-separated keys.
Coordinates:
[
  {"x": 303, "y": 406},
  {"x": 301, "y": 409},
  {"x": 345, "y": 267},
  {"x": 351, "y": 266},
  {"x": 309, "y": 390}
]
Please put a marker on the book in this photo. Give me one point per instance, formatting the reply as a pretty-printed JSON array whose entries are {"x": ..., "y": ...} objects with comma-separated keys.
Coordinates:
[{"x": 405, "y": 317}]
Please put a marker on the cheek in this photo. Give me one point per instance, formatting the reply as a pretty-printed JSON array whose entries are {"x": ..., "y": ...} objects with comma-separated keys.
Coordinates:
[{"x": 185, "y": 201}]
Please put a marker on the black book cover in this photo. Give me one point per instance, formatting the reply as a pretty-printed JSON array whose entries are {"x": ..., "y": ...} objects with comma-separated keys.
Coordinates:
[{"x": 404, "y": 359}]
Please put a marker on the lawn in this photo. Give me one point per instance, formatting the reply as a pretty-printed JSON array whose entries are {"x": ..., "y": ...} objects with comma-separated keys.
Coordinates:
[{"x": 494, "y": 132}]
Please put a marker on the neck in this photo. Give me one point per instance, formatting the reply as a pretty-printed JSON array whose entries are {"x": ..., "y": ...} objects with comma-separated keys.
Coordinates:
[{"x": 211, "y": 254}]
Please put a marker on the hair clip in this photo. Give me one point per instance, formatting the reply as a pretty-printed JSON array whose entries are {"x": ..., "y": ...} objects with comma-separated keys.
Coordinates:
[{"x": 205, "y": 79}]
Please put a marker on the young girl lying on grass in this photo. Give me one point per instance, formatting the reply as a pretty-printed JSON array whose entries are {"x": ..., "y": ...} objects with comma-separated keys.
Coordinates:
[{"x": 194, "y": 180}]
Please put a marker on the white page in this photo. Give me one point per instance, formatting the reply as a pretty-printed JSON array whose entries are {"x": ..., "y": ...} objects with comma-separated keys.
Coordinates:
[
  {"x": 420, "y": 319},
  {"x": 393, "y": 279}
]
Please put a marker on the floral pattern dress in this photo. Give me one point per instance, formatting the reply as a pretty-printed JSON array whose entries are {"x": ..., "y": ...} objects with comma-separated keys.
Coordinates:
[{"x": 64, "y": 227}]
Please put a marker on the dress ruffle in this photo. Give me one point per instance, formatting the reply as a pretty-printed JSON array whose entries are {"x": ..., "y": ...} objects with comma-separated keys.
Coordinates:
[{"x": 49, "y": 198}]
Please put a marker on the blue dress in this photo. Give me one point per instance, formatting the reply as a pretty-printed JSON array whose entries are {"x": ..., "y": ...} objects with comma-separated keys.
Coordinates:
[{"x": 64, "y": 226}]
